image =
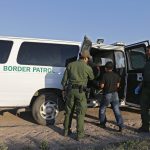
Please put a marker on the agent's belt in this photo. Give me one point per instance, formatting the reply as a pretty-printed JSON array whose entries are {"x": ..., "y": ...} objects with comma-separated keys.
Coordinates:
[
  {"x": 81, "y": 88},
  {"x": 76, "y": 86}
]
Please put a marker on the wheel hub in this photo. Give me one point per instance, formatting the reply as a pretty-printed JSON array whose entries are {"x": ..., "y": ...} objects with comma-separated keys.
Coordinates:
[{"x": 49, "y": 110}]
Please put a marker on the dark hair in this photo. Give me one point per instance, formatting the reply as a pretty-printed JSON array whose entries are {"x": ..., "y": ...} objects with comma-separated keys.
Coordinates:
[{"x": 109, "y": 65}]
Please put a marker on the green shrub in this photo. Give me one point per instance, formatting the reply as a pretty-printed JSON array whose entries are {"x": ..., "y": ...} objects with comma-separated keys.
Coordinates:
[{"x": 44, "y": 145}]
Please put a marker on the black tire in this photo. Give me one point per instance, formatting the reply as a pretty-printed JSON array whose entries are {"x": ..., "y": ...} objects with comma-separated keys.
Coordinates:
[{"x": 48, "y": 109}]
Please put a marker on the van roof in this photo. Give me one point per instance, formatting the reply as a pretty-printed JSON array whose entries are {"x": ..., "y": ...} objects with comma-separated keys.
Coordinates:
[
  {"x": 100, "y": 46},
  {"x": 36, "y": 39}
]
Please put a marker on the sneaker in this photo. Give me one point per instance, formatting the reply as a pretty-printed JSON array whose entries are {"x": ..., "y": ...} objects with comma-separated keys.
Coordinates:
[
  {"x": 102, "y": 126},
  {"x": 142, "y": 129}
]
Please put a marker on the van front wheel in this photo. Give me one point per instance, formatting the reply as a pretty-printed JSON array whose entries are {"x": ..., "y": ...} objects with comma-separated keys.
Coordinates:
[{"x": 45, "y": 109}]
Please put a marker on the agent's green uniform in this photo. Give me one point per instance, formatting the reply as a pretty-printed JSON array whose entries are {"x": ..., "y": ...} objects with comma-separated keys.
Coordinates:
[
  {"x": 145, "y": 98},
  {"x": 77, "y": 73}
]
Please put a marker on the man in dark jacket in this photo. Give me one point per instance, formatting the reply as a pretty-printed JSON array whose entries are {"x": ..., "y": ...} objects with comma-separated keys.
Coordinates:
[{"x": 76, "y": 77}]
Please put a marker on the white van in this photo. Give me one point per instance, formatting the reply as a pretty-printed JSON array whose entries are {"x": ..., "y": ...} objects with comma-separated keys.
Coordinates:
[{"x": 31, "y": 71}]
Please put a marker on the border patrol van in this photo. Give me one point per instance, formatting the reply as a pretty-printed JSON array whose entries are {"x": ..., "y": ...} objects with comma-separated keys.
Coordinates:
[{"x": 31, "y": 71}]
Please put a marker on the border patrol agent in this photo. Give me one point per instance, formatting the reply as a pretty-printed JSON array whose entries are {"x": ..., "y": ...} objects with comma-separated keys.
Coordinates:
[
  {"x": 76, "y": 77},
  {"x": 145, "y": 96}
]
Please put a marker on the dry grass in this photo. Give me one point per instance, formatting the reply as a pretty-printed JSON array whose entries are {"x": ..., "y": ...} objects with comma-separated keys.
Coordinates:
[{"x": 130, "y": 145}]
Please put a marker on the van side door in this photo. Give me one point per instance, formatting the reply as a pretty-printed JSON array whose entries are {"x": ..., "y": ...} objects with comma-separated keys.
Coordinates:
[{"x": 135, "y": 59}]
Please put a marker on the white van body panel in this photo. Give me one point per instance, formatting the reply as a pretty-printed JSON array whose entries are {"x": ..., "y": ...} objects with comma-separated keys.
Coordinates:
[{"x": 21, "y": 87}]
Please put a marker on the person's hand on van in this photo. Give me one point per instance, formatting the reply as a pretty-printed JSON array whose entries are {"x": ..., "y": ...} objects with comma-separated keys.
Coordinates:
[{"x": 137, "y": 90}]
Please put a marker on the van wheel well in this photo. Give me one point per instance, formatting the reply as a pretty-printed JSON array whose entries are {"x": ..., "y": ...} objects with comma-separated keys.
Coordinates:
[{"x": 44, "y": 91}]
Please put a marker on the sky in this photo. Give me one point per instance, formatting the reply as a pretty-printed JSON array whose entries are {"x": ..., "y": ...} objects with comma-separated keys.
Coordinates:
[{"x": 125, "y": 21}]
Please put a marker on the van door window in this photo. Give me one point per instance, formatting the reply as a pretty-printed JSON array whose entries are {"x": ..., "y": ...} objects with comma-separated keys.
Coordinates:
[
  {"x": 47, "y": 54},
  {"x": 5, "y": 48},
  {"x": 137, "y": 58}
]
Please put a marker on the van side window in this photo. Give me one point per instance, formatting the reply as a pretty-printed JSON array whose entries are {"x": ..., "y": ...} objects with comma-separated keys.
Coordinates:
[
  {"x": 5, "y": 48},
  {"x": 47, "y": 54}
]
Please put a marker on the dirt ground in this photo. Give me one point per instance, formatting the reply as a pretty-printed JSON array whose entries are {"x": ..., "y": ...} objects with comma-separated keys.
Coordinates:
[{"x": 23, "y": 133}]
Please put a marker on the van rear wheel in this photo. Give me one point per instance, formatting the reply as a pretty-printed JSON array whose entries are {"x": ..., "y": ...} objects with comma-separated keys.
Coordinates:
[{"x": 46, "y": 109}]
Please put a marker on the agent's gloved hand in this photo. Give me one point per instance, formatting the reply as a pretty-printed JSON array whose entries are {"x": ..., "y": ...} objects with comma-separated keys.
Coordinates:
[{"x": 137, "y": 90}]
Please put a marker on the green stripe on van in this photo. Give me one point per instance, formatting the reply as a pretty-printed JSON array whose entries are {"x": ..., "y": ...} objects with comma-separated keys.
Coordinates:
[{"x": 28, "y": 69}]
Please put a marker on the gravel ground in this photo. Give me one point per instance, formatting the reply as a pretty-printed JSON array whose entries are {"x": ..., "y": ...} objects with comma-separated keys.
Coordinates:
[{"x": 23, "y": 133}]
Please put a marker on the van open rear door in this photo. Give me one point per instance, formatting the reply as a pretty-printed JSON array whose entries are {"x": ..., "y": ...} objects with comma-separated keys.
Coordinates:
[
  {"x": 136, "y": 59},
  {"x": 86, "y": 45}
]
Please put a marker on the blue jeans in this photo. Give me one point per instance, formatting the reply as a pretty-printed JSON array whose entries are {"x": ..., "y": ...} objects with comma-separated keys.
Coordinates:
[{"x": 113, "y": 99}]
